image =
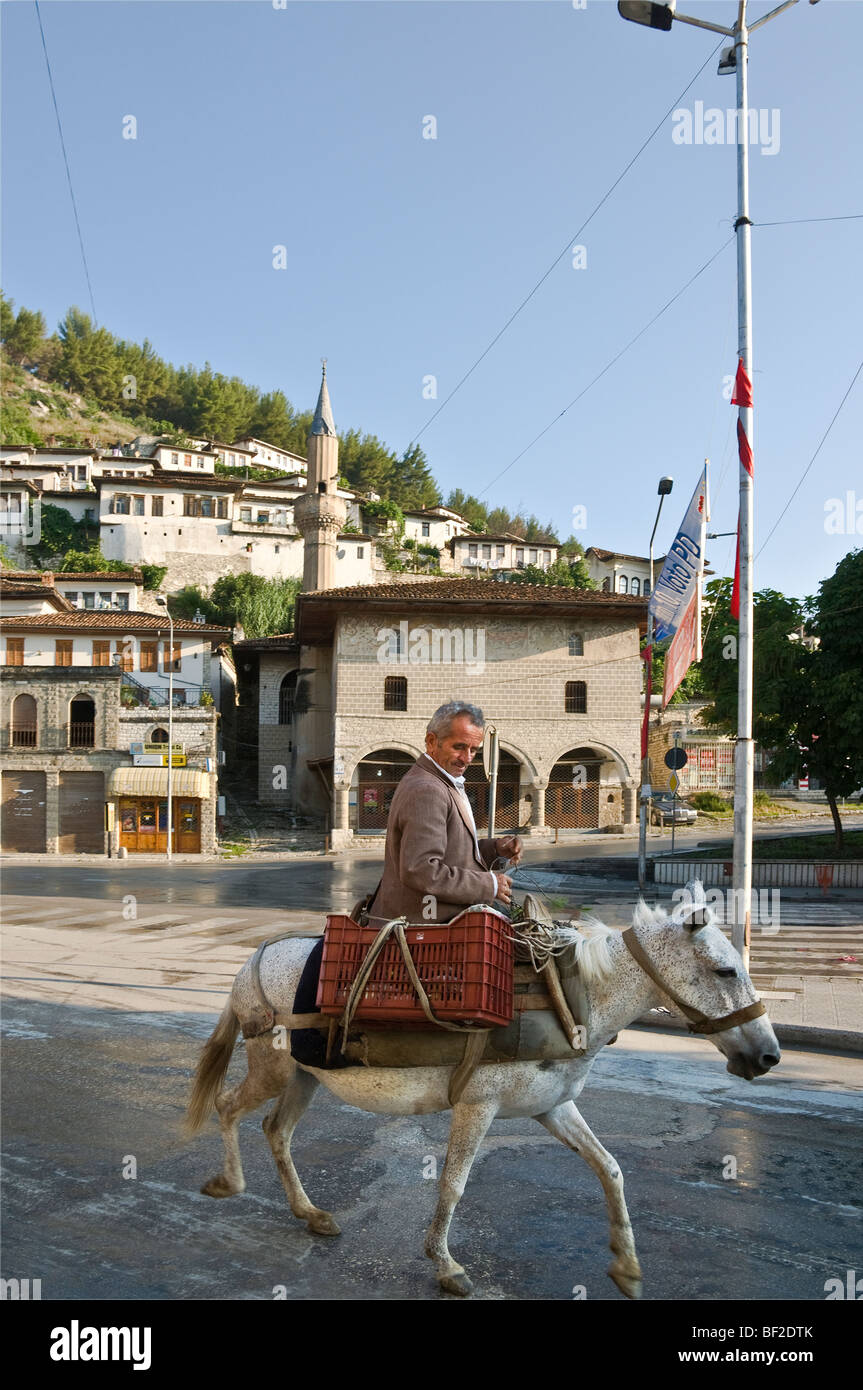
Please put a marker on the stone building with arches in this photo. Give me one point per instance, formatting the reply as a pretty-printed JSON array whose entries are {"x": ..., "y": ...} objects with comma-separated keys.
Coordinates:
[{"x": 344, "y": 700}]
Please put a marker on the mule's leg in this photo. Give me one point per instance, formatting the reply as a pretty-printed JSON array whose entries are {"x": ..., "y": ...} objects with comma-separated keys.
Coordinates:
[
  {"x": 279, "y": 1127},
  {"x": 261, "y": 1084},
  {"x": 567, "y": 1124},
  {"x": 468, "y": 1129}
]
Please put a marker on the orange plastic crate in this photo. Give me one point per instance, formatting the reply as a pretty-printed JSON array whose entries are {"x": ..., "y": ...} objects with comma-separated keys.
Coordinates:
[{"x": 465, "y": 966}]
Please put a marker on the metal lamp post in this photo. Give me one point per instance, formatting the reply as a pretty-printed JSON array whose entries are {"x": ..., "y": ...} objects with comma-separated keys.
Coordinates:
[
  {"x": 665, "y": 486},
  {"x": 163, "y": 603},
  {"x": 734, "y": 59}
]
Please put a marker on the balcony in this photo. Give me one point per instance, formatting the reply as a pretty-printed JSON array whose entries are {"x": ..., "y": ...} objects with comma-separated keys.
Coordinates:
[
  {"x": 82, "y": 735},
  {"x": 135, "y": 694},
  {"x": 23, "y": 736}
]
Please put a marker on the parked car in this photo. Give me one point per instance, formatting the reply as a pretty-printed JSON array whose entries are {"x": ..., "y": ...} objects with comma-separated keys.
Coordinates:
[{"x": 664, "y": 810}]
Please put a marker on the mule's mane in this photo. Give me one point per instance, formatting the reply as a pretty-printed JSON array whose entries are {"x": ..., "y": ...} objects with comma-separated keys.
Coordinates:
[{"x": 590, "y": 941}]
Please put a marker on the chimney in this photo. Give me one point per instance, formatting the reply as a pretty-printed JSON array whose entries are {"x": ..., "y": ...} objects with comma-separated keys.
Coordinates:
[{"x": 48, "y": 578}]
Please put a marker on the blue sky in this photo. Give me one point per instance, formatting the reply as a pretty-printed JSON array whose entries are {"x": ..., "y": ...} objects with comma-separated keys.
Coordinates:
[{"x": 303, "y": 127}]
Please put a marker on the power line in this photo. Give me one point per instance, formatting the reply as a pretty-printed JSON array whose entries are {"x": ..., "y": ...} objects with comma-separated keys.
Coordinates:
[
  {"x": 797, "y": 221},
  {"x": 616, "y": 358},
  {"x": 514, "y": 315},
  {"x": 66, "y": 162},
  {"x": 813, "y": 458}
]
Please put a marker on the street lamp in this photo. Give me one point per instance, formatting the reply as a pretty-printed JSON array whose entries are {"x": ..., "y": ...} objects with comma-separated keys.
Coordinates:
[
  {"x": 163, "y": 603},
  {"x": 665, "y": 486},
  {"x": 735, "y": 59}
]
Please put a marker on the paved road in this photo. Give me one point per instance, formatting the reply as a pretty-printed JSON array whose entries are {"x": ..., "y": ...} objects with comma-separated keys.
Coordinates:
[{"x": 87, "y": 1090}]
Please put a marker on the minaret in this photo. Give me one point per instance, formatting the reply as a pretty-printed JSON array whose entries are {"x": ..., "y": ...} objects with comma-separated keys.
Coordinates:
[{"x": 320, "y": 514}]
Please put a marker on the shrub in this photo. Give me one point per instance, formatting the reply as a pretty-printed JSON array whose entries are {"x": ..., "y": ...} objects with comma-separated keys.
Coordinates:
[{"x": 710, "y": 801}]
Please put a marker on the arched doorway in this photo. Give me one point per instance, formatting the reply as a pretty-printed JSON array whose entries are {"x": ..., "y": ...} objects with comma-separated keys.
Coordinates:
[
  {"x": 572, "y": 798},
  {"x": 82, "y": 722},
  {"x": 478, "y": 787},
  {"x": 376, "y": 778}
]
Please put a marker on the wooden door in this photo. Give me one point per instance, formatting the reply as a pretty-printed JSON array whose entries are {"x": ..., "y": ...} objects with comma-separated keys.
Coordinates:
[
  {"x": 82, "y": 813},
  {"x": 23, "y": 812}
]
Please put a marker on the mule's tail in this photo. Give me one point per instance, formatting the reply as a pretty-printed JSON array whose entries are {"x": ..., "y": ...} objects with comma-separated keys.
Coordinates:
[{"x": 215, "y": 1059}]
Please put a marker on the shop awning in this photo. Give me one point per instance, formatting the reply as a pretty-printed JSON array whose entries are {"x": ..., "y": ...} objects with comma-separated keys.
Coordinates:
[{"x": 153, "y": 781}]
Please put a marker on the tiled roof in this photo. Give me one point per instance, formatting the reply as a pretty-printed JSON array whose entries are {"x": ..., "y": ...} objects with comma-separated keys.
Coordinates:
[
  {"x": 619, "y": 555},
  {"x": 471, "y": 590},
  {"x": 261, "y": 644},
  {"x": 44, "y": 591},
  {"x": 108, "y": 620},
  {"x": 64, "y": 576}
]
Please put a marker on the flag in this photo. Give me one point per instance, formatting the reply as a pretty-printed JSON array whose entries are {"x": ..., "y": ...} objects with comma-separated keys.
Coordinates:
[
  {"x": 683, "y": 563},
  {"x": 742, "y": 387},
  {"x": 646, "y": 655},
  {"x": 685, "y": 647},
  {"x": 735, "y": 591}
]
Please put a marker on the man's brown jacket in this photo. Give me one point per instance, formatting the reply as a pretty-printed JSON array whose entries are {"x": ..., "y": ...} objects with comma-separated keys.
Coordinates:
[{"x": 430, "y": 852}]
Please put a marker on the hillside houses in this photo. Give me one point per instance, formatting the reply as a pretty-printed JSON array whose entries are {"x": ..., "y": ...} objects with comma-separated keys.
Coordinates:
[{"x": 161, "y": 504}]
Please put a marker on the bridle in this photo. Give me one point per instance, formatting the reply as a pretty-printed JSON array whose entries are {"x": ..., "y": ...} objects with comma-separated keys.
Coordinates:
[{"x": 698, "y": 1022}]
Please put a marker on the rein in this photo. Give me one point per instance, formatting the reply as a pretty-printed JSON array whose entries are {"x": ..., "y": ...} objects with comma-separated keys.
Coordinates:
[{"x": 698, "y": 1022}]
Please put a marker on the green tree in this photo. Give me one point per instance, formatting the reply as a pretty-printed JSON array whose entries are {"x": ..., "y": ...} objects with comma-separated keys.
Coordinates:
[
  {"x": 261, "y": 606},
  {"x": 90, "y": 362},
  {"x": 274, "y": 420},
  {"x": 474, "y": 512},
  {"x": 413, "y": 486},
  {"x": 23, "y": 336},
  {"x": 59, "y": 535}
]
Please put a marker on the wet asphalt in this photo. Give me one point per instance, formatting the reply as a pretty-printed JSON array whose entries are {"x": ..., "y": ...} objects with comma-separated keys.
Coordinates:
[{"x": 92, "y": 1096}]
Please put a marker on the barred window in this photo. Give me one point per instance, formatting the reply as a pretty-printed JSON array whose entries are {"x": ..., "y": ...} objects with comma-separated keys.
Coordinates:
[
  {"x": 287, "y": 698},
  {"x": 396, "y": 693},
  {"x": 575, "y": 698}
]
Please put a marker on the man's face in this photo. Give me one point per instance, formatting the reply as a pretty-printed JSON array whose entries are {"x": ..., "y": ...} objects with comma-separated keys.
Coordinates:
[{"x": 457, "y": 749}]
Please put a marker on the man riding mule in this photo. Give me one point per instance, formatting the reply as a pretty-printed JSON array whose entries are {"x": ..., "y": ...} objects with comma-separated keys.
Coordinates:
[
  {"x": 609, "y": 978},
  {"x": 434, "y": 864}
]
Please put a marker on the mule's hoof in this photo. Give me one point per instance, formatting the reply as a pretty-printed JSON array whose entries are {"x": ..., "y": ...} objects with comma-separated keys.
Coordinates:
[
  {"x": 459, "y": 1284},
  {"x": 322, "y": 1224},
  {"x": 220, "y": 1187},
  {"x": 627, "y": 1284}
]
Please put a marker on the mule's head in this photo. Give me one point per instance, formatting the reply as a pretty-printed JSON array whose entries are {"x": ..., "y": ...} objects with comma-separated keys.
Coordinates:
[{"x": 692, "y": 956}]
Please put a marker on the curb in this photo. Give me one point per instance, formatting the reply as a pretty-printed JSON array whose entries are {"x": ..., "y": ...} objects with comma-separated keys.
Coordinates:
[{"x": 790, "y": 1034}]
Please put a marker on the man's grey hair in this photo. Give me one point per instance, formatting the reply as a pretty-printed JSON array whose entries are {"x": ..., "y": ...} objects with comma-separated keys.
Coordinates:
[{"x": 442, "y": 720}]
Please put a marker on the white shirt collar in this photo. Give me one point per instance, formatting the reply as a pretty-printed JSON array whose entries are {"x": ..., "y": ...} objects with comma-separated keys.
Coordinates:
[{"x": 456, "y": 781}]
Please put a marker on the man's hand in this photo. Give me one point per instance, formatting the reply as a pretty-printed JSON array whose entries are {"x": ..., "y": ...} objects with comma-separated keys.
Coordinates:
[
  {"x": 509, "y": 847},
  {"x": 504, "y": 889}
]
